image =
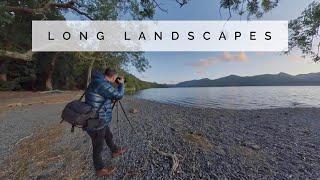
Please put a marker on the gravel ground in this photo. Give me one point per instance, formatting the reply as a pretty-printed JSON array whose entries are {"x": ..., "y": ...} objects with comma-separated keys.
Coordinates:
[{"x": 170, "y": 142}]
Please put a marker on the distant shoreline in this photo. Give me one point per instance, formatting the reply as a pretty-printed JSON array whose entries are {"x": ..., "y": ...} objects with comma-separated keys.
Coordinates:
[
  {"x": 280, "y": 79},
  {"x": 234, "y": 86}
]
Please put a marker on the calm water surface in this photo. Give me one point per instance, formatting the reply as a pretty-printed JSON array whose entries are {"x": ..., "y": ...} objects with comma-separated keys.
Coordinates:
[{"x": 236, "y": 97}]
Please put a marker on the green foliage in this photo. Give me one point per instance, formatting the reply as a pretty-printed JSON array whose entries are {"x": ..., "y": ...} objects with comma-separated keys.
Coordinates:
[
  {"x": 70, "y": 70},
  {"x": 20, "y": 76},
  {"x": 9, "y": 86},
  {"x": 305, "y": 31},
  {"x": 15, "y": 34},
  {"x": 142, "y": 10},
  {"x": 134, "y": 84},
  {"x": 268, "y": 5},
  {"x": 251, "y": 7},
  {"x": 5, "y": 17}
]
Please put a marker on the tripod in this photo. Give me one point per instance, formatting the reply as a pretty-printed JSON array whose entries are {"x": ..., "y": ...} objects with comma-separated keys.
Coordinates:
[{"x": 117, "y": 103}]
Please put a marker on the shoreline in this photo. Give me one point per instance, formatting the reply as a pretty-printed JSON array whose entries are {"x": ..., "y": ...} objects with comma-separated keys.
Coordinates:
[
  {"x": 217, "y": 108},
  {"x": 11, "y": 100},
  {"x": 205, "y": 143}
]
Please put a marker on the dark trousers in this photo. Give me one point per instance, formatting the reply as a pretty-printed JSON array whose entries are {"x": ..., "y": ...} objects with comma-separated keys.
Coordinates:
[{"x": 98, "y": 139}]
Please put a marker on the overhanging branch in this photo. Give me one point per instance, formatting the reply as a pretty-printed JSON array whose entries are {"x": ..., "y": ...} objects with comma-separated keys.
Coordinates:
[
  {"x": 16, "y": 55},
  {"x": 43, "y": 10}
]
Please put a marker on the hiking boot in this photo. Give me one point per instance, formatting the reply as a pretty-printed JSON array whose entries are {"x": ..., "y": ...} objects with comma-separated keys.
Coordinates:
[
  {"x": 119, "y": 152},
  {"x": 105, "y": 171}
]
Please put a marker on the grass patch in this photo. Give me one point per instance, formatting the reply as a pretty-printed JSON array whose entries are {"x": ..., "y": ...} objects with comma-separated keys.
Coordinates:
[
  {"x": 253, "y": 159},
  {"x": 199, "y": 140},
  {"x": 33, "y": 154}
]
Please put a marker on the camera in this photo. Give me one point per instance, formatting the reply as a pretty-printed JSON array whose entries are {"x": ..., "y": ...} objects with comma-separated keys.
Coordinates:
[{"x": 118, "y": 79}]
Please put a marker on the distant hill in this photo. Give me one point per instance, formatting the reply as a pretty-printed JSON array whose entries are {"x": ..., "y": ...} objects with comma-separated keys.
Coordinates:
[
  {"x": 281, "y": 79},
  {"x": 135, "y": 84}
]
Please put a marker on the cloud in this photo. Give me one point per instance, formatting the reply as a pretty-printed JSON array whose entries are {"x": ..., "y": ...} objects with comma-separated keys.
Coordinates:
[
  {"x": 226, "y": 56},
  {"x": 237, "y": 57},
  {"x": 243, "y": 57},
  {"x": 204, "y": 63}
]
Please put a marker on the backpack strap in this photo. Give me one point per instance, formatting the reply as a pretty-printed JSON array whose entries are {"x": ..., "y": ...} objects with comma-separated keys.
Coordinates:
[
  {"x": 72, "y": 128},
  {"x": 84, "y": 93}
]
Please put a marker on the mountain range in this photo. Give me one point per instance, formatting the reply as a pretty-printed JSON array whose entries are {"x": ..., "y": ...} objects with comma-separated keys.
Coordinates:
[{"x": 281, "y": 79}]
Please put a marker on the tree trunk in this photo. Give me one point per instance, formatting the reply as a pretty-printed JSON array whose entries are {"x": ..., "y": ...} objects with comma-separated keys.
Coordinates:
[
  {"x": 3, "y": 70},
  {"x": 89, "y": 72},
  {"x": 3, "y": 77},
  {"x": 50, "y": 72}
]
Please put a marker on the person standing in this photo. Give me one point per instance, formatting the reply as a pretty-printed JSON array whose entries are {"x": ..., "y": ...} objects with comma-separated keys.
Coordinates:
[{"x": 100, "y": 92}]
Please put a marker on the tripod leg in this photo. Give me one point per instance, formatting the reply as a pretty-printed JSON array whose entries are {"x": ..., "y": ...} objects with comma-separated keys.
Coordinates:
[
  {"x": 117, "y": 112},
  {"x": 118, "y": 119},
  {"x": 114, "y": 104},
  {"x": 125, "y": 114}
]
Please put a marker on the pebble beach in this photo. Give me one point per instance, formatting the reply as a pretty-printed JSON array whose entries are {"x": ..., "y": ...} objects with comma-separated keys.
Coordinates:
[{"x": 167, "y": 142}]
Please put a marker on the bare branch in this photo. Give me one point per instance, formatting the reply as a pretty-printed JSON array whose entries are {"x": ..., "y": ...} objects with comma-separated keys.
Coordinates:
[
  {"x": 81, "y": 13},
  {"x": 158, "y": 6},
  {"x": 182, "y": 3},
  {"x": 17, "y": 9},
  {"x": 43, "y": 10},
  {"x": 176, "y": 158},
  {"x": 16, "y": 55}
]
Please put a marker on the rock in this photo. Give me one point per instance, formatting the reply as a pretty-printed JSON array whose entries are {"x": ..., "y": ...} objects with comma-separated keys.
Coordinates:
[
  {"x": 251, "y": 145},
  {"x": 255, "y": 146},
  {"x": 15, "y": 105}
]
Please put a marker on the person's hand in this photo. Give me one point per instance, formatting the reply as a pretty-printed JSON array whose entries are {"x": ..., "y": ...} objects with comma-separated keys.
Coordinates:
[{"x": 121, "y": 81}]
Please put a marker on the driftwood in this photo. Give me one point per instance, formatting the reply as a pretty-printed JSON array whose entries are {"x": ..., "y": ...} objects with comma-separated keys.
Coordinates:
[
  {"x": 22, "y": 139},
  {"x": 174, "y": 157},
  {"x": 51, "y": 91}
]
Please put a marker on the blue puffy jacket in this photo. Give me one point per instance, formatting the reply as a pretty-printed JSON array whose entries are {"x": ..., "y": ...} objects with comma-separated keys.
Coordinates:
[{"x": 99, "y": 91}]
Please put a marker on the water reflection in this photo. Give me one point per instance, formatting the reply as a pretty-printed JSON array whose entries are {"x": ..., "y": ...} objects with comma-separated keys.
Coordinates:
[{"x": 236, "y": 97}]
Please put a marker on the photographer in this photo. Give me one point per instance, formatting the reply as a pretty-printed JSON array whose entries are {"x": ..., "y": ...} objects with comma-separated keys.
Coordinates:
[{"x": 100, "y": 90}]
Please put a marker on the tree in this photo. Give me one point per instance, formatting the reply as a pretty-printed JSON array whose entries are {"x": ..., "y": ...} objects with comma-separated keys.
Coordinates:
[
  {"x": 3, "y": 71},
  {"x": 15, "y": 33},
  {"x": 16, "y": 16},
  {"x": 11, "y": 10},
  {"x": 304, "y": 33},
  {"x": 117, "y": 60}
]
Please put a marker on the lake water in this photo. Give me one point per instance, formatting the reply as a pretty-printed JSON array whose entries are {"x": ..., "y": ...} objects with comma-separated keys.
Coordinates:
[{"x": 236, "y": 97}]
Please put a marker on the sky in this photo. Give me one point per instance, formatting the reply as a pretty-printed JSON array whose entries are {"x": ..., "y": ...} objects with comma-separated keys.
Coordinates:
[{"x": 174, "y": 67}]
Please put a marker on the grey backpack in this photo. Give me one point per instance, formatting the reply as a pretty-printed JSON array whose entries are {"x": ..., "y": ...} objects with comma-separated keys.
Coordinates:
[{"x": 77, "y": 113}]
